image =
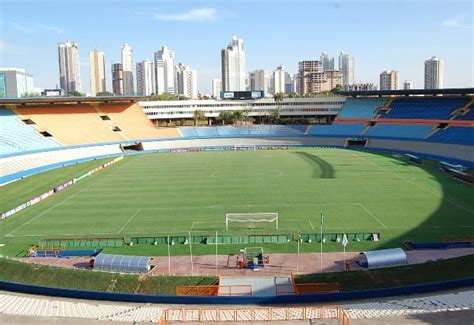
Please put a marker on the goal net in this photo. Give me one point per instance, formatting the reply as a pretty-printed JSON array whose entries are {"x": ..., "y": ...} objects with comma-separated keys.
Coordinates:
[{"x": 250, "y": 220}]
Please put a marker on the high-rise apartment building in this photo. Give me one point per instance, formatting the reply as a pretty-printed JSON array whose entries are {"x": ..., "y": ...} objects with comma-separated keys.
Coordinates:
[
  {"x": 407, "y": 85},
  {"x": 127, "y": 66},
  {"x": 97, "y": 71},
  {"x": 233, "y": 66},
  {"x": 279, "y": 79},
  {"x": 434, "y": 73},
  {"x": 145, "y": 72},
  {"x": 312, "y": 79},
  {"x": 327, "y": 61},
  {"x": 186, "y": 81},
  {"x": 258, "y": 80},
  {"x": 346, "y": 66},
  {"x": 69, "y": 66},
  {"x": 216, "y": 87},
  {"x": 15, "y": 83},
  {"x": 165, "y": 71},
  {"x": 117, "y": 79},
  {"x": 389, "y": 80},
  {"x": 334, "y": 79}
]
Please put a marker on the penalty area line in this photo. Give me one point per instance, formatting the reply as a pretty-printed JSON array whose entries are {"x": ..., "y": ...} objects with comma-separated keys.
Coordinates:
[
  {"x": 372, "y": 215},
  {"x": 128, "y": 221}
]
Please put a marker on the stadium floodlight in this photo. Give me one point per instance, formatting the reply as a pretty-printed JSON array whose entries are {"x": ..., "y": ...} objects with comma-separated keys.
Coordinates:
[{"x": 251, "y": 218}]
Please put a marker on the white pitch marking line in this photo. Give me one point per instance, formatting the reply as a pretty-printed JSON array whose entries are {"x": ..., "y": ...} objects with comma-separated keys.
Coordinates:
[
  {"x": 312, "y": 227},
  {"x": 372, "y": 215},
  {"x": 10, "y": 234},
  {"x": 128, "y": 221}
]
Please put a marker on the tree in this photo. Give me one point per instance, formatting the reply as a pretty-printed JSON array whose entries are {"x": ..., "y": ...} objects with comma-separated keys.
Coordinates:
[
  {"x": 278, "y": 98},
  {"x": 166, "y": 96},
  {"x": 74, "y": 93},
  {"x": 237, "y": 116},
  {"x": 30, "y": 94},
  {"x": 104, "y": 93},
  {"x": 198, "y": 116},
  {"x": 225, "y": 117}
]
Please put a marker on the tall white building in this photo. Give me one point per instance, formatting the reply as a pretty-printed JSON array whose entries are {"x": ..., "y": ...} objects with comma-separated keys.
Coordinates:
[
  {"x": 327, "y": 61},
  {"x": 165, "y": 71},
  {"x": 97, "y": 71},
  {"x": 258, "y": 80},
  {"x": 216, "y": 87},
  {"x": 434, "y": 73},
  {"x": 279, "y": 80},
  {"x": 69, "y": 66},
  {"x": 233, "y": 66},
  {"x": 15, "y": 83},
  {"x": 346, "y": 67},
  {"x": 186, "y": 81},
  {"x": 145, "y": 72},
  {"x": 407, "y": 85},
  {"x": 389, "y": 80},
  {"x": 127, "y": 66}
]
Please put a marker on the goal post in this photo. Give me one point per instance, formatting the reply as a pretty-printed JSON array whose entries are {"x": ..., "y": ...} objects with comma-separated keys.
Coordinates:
[{"x": 267, "y": 217}]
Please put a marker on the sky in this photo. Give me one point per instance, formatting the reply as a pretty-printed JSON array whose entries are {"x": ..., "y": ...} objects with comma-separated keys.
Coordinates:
[{"x": 380, "y": 35}]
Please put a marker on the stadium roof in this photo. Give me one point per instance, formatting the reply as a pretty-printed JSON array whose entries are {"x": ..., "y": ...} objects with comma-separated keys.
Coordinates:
[
  {"x": 408, "y": 92},
  {"x": 70, "y": 100}
]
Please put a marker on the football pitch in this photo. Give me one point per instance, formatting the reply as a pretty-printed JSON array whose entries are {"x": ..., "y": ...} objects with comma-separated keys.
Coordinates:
[{"x": 164, "y": 194}]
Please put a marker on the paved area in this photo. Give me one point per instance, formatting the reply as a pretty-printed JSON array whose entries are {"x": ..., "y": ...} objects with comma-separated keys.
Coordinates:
[
  {"x": 21, "y": 309},
  {"x": 280, "y": 264}
]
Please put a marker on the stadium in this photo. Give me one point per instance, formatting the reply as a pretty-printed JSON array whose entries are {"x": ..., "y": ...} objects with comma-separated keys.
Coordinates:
[{"x": 94, "y": 188}]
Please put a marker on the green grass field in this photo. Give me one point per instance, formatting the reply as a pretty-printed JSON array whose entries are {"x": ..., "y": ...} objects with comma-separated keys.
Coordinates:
[{"x": 175, "y": 193}]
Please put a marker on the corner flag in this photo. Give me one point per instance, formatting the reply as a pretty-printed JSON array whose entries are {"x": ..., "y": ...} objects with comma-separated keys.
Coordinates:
[{"x": 344, "y": 240}]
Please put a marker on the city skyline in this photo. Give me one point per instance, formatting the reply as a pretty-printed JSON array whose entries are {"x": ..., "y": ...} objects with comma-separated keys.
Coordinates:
[{"x": 197, "y": 31}]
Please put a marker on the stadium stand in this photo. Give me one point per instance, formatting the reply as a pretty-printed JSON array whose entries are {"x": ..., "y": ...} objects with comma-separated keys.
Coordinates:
[
  {"x": 468, "y": 116},
  {"x": 424, "y": 108},
  {"x": 337, "y": 129},
  {"x": 16, "y": 136},
  {"x": 399, "y": 131},
  {"x": 249, "y": 130},
  {"x": 85, "y": 124},
  {"x": 360, "y": 107},
  {"x": 134, "y": 123},
  {"x": 454, "y": 134},
  {"x": 71, "y": 124},
  {"x": 19, "y": 163}
]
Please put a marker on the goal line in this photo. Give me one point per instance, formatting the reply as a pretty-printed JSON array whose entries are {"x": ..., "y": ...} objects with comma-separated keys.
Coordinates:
[{"x": 268, "y": 217}]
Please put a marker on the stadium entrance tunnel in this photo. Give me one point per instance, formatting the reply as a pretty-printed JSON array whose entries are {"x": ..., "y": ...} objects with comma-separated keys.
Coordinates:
[{"x": 321, "y": 168}]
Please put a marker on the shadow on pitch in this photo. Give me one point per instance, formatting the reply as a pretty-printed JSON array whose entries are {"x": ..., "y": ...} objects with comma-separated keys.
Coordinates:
[{"x": 321, "y": 168}]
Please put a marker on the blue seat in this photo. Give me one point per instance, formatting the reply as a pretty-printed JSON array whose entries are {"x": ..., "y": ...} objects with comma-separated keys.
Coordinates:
[
  {"x": 16, "y": 136},
  {"x": 337, "y": 129},
  {"x": 454, "y": 134},
  {"x": 360, "y": 107},
  {"x": 399, "y": 131},
  {"x": 424, "y": 108}
]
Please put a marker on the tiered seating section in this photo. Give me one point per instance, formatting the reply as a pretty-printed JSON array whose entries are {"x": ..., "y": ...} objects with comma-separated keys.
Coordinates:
[
  {"x": 337, "y": 129},
  {"x": 399, "y": 131},
  {"x": 82, "y": 124},
  {"x": 16, "y": 136},
  {"x": 250, "y": 130},
  {"x": 87, "y": 124},
  {"x": 454, "y": 134},
  {"x": 360, "y": 107},
  {"x": 424, "y": 108}
]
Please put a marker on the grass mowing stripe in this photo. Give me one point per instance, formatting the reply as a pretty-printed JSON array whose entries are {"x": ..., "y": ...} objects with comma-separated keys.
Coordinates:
[
  {"x": 44, "y": 212},
  {"x": 428, "y": 190}
]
